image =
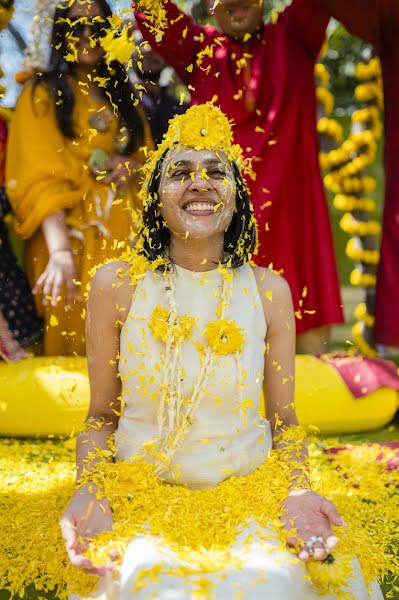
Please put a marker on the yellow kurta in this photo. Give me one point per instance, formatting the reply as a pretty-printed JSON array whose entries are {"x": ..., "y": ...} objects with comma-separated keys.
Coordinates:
[{"x": 46, "y": 173}]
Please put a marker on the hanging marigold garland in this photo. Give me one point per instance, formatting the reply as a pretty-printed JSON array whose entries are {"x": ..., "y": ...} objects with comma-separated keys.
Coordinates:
[{"x": 345, "y": 163}]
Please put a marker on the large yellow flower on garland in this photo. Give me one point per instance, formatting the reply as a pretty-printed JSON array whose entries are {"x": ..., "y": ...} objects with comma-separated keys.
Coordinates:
[
  {"x": 224, "y": 337},
  {"x": 162, "y": 323}
]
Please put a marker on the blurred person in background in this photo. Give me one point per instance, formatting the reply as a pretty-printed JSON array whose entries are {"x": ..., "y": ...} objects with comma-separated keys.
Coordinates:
[
  {"x": 75, "y": 147},
  {"x": 159, "y": 96},
  {"x": 20, "y": 327}
]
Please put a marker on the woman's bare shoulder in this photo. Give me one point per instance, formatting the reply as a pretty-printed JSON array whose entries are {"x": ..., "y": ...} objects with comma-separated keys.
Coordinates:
[
  {"x": 112, "y": 285},
  {"x": 275, "y": 294},
  {"x": 271, "y": 285},
  {"x": 110, "y": 275}
]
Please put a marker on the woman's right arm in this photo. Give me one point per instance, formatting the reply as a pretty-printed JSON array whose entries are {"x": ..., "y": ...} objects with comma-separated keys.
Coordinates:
[{"x": 87, "y": 514}]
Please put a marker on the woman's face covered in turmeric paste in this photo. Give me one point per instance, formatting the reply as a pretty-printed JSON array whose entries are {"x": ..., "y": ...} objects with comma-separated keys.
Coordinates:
[{"x": 197, "y": 193}]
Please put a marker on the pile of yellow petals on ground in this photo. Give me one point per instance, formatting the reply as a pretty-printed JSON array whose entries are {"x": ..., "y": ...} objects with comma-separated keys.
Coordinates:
[{"x": 37, "y": 480}]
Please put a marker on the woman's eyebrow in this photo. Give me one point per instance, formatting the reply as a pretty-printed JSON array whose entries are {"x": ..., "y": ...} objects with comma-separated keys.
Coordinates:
[
  {"x": 180, "y": 163},
  {"x": 190, "y": 163}
]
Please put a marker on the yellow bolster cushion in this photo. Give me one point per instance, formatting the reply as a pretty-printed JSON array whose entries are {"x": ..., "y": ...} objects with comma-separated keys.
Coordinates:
[
  {"x": 44, "y": 396},
  {"x": 322, "y": 399}
]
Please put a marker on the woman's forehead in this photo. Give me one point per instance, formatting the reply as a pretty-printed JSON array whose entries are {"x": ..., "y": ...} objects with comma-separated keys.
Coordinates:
[
  {"x": 85, "y": 8},
  {"x": 195, "y": 157}
]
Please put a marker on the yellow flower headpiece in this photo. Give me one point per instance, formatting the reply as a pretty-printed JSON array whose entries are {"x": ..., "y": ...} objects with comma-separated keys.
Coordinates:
[{"x": 201, "y": 127}]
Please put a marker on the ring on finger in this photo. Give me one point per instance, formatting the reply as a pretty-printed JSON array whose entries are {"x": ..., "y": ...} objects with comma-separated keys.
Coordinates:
[{"x": 311, "y": 543}]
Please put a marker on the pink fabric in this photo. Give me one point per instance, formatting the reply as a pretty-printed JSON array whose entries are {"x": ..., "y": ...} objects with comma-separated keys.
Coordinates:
[
  {"x": 391, "y": 463},
  {"x": 272, "y": 103},
  {"x": 364, "y": 375}
]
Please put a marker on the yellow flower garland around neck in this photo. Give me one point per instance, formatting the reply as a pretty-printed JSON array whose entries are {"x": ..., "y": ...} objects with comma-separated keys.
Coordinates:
[{"x": 223, "y": 336}]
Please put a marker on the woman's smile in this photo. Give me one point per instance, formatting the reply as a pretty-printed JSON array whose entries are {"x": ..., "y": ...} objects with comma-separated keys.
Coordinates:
[{"x": 201, "y": 207}]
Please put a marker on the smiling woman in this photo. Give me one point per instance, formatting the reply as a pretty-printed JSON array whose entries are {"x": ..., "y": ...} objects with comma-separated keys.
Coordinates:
[{"x": 182, "y": 336}]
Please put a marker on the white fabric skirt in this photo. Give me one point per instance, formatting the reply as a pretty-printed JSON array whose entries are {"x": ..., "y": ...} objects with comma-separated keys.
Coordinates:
[{"x": 151, "y": 571}]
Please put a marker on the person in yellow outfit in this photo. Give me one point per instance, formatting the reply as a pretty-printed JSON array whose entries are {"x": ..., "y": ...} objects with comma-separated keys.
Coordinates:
[{"x": 77, "y": 141}]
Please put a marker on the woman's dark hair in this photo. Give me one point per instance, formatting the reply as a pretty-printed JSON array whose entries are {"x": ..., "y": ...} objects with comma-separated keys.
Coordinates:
[
  {"x": 117, "y": 89},
  {"x": 240, "y": 237}
]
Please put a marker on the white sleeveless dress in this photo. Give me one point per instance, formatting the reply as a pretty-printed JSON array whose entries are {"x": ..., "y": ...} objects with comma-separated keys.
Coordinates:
[{"x": 236, "y": 445}]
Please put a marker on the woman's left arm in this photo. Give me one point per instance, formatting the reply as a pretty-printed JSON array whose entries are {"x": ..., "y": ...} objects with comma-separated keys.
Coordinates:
[{"x": 308, "y": 512}]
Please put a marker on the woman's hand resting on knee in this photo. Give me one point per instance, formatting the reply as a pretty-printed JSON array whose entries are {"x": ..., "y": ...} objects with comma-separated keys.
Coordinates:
[
  {"x": 312, "y": 516},
  {"x": 86, "y": 516}
]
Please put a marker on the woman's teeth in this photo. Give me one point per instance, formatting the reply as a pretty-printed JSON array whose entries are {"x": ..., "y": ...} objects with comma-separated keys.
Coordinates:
[{"x": 200, "y": 207}]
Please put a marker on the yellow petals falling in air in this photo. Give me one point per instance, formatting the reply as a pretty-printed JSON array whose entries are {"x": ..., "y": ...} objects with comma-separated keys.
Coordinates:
[
  {"x": 53, "y": 321},
  {"x": 118, "y": 46}
]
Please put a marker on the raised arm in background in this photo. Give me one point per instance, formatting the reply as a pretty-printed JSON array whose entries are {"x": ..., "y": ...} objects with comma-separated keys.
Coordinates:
[{"x": 180, "y": 41}]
